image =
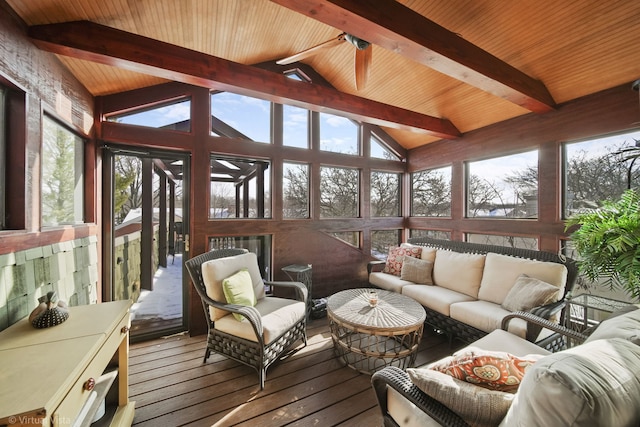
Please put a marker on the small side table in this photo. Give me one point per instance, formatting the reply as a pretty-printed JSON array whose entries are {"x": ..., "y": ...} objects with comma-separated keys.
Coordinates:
[
  {"x": 301, "y": 273},
  {"x": 583, "y": 309}
]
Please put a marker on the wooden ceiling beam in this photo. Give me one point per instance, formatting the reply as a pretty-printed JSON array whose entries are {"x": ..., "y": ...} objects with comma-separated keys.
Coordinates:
[
  {"x": 395, "y": 27},
  {"x": 105, "y": 45}
]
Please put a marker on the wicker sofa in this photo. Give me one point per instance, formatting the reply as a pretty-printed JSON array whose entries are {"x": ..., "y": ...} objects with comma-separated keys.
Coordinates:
[
  {"x": 594, "y": 383},
  {"x": 472, "y": 282}
]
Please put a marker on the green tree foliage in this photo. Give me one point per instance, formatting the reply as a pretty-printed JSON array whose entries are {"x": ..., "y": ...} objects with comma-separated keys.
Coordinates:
[{"x": 58, "y": 176}]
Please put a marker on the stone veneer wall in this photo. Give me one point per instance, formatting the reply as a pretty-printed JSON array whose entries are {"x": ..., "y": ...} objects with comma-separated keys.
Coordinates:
[{"x": 69, "y": 268}]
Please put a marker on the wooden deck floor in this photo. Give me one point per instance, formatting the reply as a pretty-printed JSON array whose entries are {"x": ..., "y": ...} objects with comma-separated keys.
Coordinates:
[{"x": 172, "y": 387}]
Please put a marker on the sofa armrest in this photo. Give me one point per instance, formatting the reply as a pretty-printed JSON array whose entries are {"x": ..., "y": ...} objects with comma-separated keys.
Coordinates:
[
  {"x": 399, "y": 380},
  {"x": 544, "y": 323},
  {"x": 375, "y": 266}
]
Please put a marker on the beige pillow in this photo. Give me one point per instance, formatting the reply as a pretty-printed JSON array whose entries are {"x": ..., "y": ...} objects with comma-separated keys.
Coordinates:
[
  {"x": 502, "y": 271},
  {"x": 458, "y": 271},
  {"x": 625, "y": 325},
  {"x": 396, "y": 256},
  {"x": 478, "y": 406},
  {"x": 417, "y": 270},
  {"x": 529, "y": 292}
]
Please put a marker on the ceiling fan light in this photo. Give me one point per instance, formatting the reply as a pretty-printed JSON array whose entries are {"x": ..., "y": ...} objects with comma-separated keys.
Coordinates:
[{"x": 358, "y": 43}]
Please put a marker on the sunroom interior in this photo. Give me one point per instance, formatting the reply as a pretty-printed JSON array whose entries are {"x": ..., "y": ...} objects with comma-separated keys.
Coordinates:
[{"x": 312, "y": 162}]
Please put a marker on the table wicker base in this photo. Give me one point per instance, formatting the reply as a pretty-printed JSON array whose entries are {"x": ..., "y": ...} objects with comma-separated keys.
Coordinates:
[
  {"x": 369, "y": 338},
  {"x": 367, "y": 353}
]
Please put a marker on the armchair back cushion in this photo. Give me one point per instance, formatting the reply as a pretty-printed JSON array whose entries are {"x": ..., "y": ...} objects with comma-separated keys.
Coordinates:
[
  {"x": 502, "y": 271},
  {"x": 216, "y": 270}
]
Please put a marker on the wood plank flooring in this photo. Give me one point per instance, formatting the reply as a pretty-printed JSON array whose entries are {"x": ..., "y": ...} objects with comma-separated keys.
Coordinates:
[{"x": 310, "y": 387}]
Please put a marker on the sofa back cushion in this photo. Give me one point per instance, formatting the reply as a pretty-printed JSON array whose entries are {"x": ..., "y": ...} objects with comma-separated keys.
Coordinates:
[
  {"x": 502, "y": 271},
  {"x": 216, "y": 270},
  {"x": 594, "y": 384},
  {"x": 459, "y": 272},
  {"x": 625, "y": 325}
]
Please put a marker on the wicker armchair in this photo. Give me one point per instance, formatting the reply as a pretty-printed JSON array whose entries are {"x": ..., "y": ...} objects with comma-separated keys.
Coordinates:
[
  {"x": 398, "y": 380},
  {"x": 267, "y": 338}
]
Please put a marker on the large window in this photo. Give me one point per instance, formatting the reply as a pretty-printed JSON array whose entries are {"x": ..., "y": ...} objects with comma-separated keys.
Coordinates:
[
  {"x": 382, "y": 240},
  {"x": 379, "y": 150},
  {"x": 599, "y": 169},
  {"x": 385, "y": 194},
  {"x": 295, "y": 190},
  {"x": 498, "y": 240},
  {"x": 239, "y": 188},
  {"x": 503, "y": 187},
  {"x": 62, "y": 175},
  {"x": 431, "y": 192},
  {"x": 339, "y": 192},
  {"x": 338, "y": 134},
  {"x": 295, "y": 129},
  {"x": 175, "y": 115},
  {"x": 238, "y": 116}
]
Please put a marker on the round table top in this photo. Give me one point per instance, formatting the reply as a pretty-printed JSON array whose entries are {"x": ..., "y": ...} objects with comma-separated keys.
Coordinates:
[{"x": 394, "y": 312}]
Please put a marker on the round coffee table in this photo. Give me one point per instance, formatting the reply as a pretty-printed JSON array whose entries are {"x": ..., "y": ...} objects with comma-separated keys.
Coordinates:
[{"x": 369, "y": 338}]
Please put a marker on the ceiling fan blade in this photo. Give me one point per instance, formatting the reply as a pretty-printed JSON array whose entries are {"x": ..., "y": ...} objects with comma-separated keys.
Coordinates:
[
  {"x": 363, "y": 65},
  {"x": 311, "y": 51}
]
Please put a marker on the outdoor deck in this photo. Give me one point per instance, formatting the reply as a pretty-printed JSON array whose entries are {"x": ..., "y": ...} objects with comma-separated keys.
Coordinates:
[{"x": 172, "y": 387}]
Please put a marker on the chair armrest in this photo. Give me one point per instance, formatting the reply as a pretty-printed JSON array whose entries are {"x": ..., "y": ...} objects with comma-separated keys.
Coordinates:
[
  {"x": 302, "y": 292},
  {"x": 549, "y": 310},
  {"x": 251, "y": 314},
  {"x": 397, "y": 379},
  {"x": 375, "y": 266},
  {"x": 544, "y": 323}
]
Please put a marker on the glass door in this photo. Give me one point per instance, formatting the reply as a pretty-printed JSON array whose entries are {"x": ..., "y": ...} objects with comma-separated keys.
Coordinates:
[{"x": 148, "y": 238}]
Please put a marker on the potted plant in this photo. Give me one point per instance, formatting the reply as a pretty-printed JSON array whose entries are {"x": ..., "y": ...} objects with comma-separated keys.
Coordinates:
[{"x": 608, "y": 243}]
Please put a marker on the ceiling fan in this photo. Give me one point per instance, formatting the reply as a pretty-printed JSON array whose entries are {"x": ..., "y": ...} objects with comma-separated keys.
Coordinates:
[{"x": 362, "y": 62}]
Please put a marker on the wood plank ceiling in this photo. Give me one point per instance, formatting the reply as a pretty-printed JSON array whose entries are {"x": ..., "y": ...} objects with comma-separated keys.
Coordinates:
[{"x": 570, "y": 48}]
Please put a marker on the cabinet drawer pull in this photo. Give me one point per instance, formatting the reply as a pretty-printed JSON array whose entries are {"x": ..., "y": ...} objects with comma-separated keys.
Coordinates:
[
  {"x": 90, "y": 384},
  {"x": 124, "y": 329}
]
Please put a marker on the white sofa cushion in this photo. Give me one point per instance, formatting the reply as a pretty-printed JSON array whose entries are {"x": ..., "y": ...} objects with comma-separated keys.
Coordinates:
[
  {"x": 502, "y": 271},
  {"x": 435, "y": 297},
  {"x": 409, "y": 415},
  {"x": 278, "y": 316},
  {"x": 388, "y": 281},
  {"x": 594, "y": 384},
  {"x": 500, "y": 340},
  {"x": 486, "y": 316},
  {"x": 216, "y": 270},
  {"x": 626, "y": 326},
  {"x": 458, "y": 271}
]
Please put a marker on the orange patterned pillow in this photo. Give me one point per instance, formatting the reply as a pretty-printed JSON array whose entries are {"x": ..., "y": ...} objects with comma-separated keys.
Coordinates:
[
  {"x": 395, "y": 257},
  {"x": 494, "y": 370}
]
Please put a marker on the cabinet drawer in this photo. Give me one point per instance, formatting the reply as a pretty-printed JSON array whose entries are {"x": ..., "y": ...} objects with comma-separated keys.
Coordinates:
[{"x": 69, "y": 408}]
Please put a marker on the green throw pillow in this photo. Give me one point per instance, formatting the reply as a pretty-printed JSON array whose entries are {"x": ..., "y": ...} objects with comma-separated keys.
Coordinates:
[{"x": 238, "y": 289}]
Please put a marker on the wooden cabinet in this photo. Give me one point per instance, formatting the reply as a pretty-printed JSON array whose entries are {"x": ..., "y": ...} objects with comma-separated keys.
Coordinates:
[{"x": 59, "y": 376}]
